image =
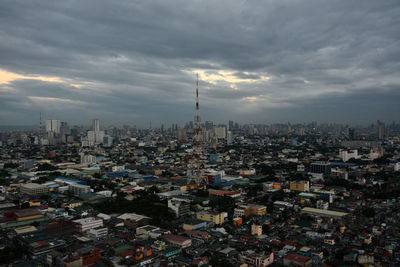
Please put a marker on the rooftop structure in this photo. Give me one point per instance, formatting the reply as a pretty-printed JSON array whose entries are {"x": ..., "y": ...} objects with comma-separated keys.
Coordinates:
[{"x": 323, "y": 213}]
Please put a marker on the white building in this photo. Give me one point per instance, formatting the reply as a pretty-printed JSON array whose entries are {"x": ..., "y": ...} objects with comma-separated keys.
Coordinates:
[
  {"x": 220, "y": 132},
  {"x": 79, "y": 189},
  {"x": 85, "y": 159},
  {"x": 95, "y": 137},
  {"x": 53, "y": 126},
  {"x": 346, "y": 155},
  {"x": 86, "y": 224},
  {"x": 396, "y": 167},
  {"x": 97, "y": 232},
  {"x": 179, "y": 206},
  {"x": 33, "y": 189},
  {"x": 230, "y": 137},
  {"x": 96, "y": 125}
]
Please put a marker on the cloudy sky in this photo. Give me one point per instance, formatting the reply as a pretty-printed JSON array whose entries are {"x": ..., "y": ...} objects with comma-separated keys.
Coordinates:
[{"x": 132, "y": 62}]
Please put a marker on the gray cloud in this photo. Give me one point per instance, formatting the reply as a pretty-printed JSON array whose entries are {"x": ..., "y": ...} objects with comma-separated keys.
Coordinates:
[{"x": 134, "y": 61}]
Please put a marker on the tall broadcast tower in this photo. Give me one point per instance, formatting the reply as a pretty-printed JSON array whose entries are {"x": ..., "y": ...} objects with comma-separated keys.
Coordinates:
[
  {"x": 195, "y": 175},
  {"x": 40, "y": 129}
]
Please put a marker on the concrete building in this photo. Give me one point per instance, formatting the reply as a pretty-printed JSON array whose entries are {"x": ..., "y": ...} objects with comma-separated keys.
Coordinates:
[
  {"x": 323, "y": 213},
  {"x": 346, "y": 155},
  {"x": 86, "y": 224},
  {"x": 33, "y": 189},
  {"x": 85, "y": 159},
  {"x": 211, "y": 216},
  {"x": 257, "y": 260},
  {"x": 179, "y": 206},
  {"x": 178, "y": 241},
  {"x": 250, "y": 209},
  {"x": 96, "y": 125},
  {"x": 220, "y": 132},
  {"x": 182, "y": 138},
  {"x": 53, "y": 126},
  {"x": 256, "y": 229},
  {"x": 97, "y": 232},
  {"x": 302, "y": 186},
  {"x": 79, "y": 189},
  {"x": 321, "y": 167}
]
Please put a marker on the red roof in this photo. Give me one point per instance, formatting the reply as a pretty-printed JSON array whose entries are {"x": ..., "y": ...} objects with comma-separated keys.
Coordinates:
[
  {"x": 126, "y": 253},
  {"x": 175, "y": 238},
  {"x": 26, "y": 213},
  {"x": 297, "y": 258},
  {"x": 38, "y": 244}
]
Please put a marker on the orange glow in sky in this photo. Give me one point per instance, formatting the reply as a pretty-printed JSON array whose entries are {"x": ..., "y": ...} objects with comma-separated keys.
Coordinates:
[{"x": 7, "y": 77}]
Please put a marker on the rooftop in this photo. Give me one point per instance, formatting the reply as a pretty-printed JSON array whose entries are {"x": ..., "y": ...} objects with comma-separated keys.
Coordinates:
[
  {"x": 324, "y": 212},
  {"x": 32, "y": 186}
]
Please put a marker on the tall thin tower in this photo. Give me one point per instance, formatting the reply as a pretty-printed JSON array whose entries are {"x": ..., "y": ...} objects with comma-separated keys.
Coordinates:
[
  {"x": 40, "y": 129},
  {"x": 196, "y": 128},
  {"x": 195, "y": 174}
]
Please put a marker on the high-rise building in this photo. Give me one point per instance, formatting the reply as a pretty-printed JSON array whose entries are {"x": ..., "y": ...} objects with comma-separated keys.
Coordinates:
[
  {"x": 230, "y": 125},
  {"x": 321, "y": 167},
  {"x": 182, "y": 135},
  {"x": 381, "y": 130},
  {"x": 53, "y": 126},
  {"x": 64, "y": 129},
  {"x": 352, "y": 134},
  {"x": 96, "y": 125},
  {"x": 208, "y": 125},
  {"x": 229, "y": 137},
  {"x": 95, "y": 137},
  {"x": 220, "y": 132}
]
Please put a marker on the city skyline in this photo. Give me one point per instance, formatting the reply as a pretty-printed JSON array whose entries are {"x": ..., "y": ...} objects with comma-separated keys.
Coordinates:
[{"x": 264, "y": 63}]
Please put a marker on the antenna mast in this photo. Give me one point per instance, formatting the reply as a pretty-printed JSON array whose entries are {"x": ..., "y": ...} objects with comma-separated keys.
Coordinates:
[
  {"x": 40, "y": 129},
  {"x": 195, "y": 175}
]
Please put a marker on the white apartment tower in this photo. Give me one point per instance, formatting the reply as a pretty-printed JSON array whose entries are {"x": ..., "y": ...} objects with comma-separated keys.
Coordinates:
[
  {"x": 96, "y": 125},
  {"x": 53, "y": 126}
]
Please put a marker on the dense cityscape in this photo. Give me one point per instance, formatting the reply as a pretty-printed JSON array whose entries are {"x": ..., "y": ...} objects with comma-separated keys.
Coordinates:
[
  {"x": 269, "y": 195},
  {"x": 176, "y": 133}
]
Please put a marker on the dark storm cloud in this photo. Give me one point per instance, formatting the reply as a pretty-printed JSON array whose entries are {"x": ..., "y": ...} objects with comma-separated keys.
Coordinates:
[{"x": 135, "y": 60}]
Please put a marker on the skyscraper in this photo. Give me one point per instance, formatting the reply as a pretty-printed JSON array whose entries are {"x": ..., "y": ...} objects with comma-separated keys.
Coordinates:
[
  {"x": 53, "y": 126},
  {"x": 96, "y": 125},
  {"x": 182, "y": 135}
]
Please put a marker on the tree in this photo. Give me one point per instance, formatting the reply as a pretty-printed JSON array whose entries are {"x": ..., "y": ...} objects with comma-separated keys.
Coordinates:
[
  {"x": 10, "y": 165},
  {"x": 46, "y": 167},
  {"x": 25, "y": 205},
  {"x": 4, "y": 173},
  {"x": 202, "y": 193},
  {"x": 369, "y": 212},
  {"x": 97, "y": 175}
]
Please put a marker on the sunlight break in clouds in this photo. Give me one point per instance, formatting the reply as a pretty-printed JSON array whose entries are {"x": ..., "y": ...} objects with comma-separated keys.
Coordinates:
[
  {"x": 6, "y": 77},
  {"x": 227, "y": 76}
]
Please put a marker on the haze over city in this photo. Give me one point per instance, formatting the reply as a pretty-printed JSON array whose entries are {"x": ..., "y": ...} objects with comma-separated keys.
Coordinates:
[{"x": 131, "y": 62}]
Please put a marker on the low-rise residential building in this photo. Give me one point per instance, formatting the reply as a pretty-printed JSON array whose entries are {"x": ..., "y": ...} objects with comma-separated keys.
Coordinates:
[
  {"x": 179, "y": 206},
  {"x": 33, "y": 189},
  {"x": 178, "y": 241},
  {"x": 86, "y": 224},
  {"x": 258, "y": 260},
  {"x": 97, "y": 232},
  {"x": 297, "y": 260},
  {"x": 211, "y": 216},
  {"x": 256, "y": 229},
  {"x": 302, "y": 186},
  {"x": 79, "y": 189},
  {"x": 249, "y": 209}
]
